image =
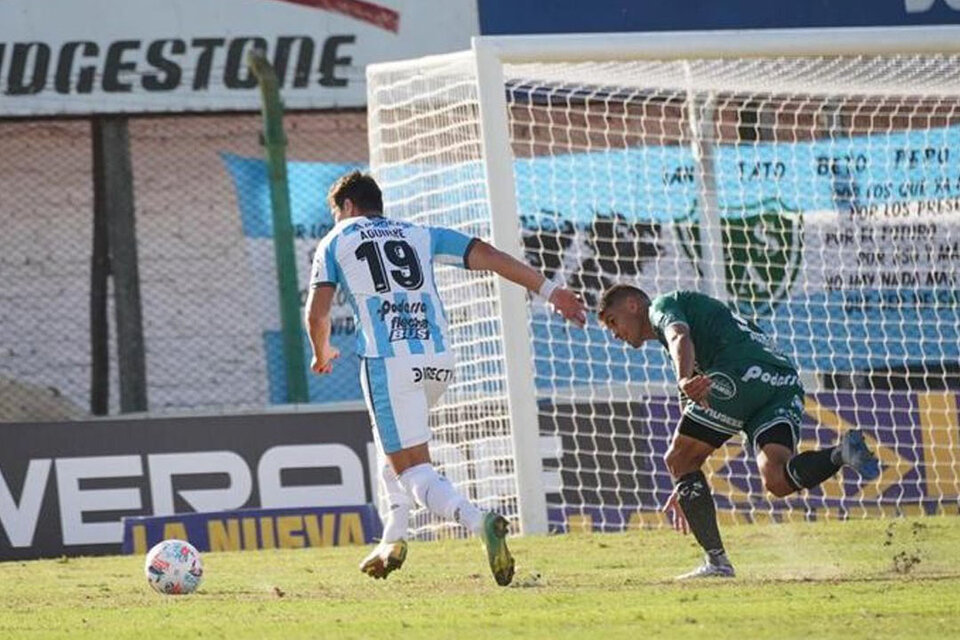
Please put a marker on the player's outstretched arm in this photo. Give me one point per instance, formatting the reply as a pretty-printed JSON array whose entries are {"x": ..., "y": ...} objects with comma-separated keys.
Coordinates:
[
  {"x": 317, "y": 318},
  {"x": 485, "y": 257}
]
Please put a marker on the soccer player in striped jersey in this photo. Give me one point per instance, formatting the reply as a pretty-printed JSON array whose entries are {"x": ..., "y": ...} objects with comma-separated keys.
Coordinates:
[
  {"x": 385, "y": 267},
  {"x": 731, "y": 380}
]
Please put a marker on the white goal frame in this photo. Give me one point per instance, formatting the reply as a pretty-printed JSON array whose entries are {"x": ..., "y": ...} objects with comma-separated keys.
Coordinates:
[{"x": 490, "y": 53}]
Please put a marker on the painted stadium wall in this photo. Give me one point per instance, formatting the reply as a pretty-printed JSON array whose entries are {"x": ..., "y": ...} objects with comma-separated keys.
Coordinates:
[{"x": 206, "y": 253}]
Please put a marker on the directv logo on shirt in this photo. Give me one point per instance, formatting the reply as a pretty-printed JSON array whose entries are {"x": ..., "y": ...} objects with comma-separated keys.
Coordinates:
[{"x": 432, "y": 373}]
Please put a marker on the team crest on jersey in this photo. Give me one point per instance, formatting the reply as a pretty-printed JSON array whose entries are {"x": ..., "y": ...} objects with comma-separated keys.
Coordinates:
[
  {"x": 723, "y": 387},
  {"x": 762, "y": 252}
]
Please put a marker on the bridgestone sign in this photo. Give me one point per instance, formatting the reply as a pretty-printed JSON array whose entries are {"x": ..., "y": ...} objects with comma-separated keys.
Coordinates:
[{"x": 79, "y": 56}]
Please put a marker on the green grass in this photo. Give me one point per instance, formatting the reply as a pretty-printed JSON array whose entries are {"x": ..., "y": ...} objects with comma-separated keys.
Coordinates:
[{"x": 815, "y": 580}]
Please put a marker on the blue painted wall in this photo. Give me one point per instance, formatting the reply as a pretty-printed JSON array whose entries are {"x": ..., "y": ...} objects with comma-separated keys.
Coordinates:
[{"x": 504, "y": 17}]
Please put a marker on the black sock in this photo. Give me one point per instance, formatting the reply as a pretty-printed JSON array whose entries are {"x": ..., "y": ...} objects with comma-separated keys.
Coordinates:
[
  {"x": 696, "y": 500},
  {"x": 808, "y": 469}
]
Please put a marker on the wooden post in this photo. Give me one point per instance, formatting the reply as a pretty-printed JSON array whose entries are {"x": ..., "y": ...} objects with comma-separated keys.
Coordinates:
[
  {"x": 99, "y": 273},
  {"x": 115, "y": 174}
]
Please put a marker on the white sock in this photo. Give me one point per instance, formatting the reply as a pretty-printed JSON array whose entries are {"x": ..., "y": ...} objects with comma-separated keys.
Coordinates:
[
  {"x": 435, "y": 492},
  {"x": 396, "y": 521}
]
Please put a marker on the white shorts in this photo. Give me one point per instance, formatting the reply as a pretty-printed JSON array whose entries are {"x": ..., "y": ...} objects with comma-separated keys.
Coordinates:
[{"x": 400, "y": 391}]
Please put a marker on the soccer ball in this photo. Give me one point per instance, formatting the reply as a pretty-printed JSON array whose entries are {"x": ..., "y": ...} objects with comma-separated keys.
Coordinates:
[{"x": 174, "y": 567}]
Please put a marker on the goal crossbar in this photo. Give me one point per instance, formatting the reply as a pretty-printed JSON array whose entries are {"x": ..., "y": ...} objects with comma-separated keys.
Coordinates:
[{"x": 740, "y": 43}]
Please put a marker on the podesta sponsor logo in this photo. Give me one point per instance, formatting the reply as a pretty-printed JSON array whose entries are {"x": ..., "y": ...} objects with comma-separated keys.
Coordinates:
[
  {"x": 408, "y": 320},
  {"x": 772, "y": 379}
]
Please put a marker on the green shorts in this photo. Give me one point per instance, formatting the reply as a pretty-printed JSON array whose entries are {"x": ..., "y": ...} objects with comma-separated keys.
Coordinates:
[{"x": 750, "y": 398}]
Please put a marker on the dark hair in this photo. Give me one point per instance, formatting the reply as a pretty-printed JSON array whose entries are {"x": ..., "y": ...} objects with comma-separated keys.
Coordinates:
[
  {"x": 612, "y": 296},
  {"x": 360, "y": 188}
]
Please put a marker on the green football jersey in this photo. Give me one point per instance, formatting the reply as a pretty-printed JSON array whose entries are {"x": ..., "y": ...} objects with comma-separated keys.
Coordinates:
[{"x": 720, "y": 336}]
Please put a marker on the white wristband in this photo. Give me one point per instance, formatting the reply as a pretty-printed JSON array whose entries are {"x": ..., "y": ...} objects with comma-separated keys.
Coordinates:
[{"x": 547, "y": 288}]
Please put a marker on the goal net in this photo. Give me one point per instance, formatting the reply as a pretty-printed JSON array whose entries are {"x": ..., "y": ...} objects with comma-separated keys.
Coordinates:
[{"x": 817, "y": 194}]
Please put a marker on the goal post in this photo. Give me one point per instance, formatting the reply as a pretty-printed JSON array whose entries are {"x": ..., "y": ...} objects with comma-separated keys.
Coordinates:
[
  {"x": 512, "y": 299},
  {"x": 808, "y": 178}
]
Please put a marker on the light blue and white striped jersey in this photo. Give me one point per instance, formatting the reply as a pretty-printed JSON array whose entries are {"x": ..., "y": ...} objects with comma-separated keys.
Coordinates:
[{"x": 386, "y": 269}]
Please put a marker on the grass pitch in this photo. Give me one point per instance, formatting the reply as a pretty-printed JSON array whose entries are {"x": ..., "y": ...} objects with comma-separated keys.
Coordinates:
[{"x": 861, "y": 579}]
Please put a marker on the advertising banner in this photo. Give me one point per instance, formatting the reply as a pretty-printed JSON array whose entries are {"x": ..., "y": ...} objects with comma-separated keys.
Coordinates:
[
  {"x": 66, "y": 486},
  {"x": 292, "y": 480},
  {"x": 916, "y": 437},
  {"x": 135, "y": 56},
  {"x": 248, "y": 529}
]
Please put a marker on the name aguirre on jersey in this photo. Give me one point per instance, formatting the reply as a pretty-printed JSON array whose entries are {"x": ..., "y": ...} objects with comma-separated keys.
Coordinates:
[{"x": 370, "y": 234}]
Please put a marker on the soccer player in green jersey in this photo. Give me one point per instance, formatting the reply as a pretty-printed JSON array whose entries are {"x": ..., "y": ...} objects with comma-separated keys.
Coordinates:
[{"x": 731, "y": 380}]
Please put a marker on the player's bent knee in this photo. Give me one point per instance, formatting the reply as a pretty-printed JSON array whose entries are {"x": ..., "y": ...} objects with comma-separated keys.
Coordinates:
[
  {"x": 673, "y": 460},
  {"x": 775, "y": 481},
  {"x": 681, "y": 462},
  {"x": 780, "y": 489}
]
